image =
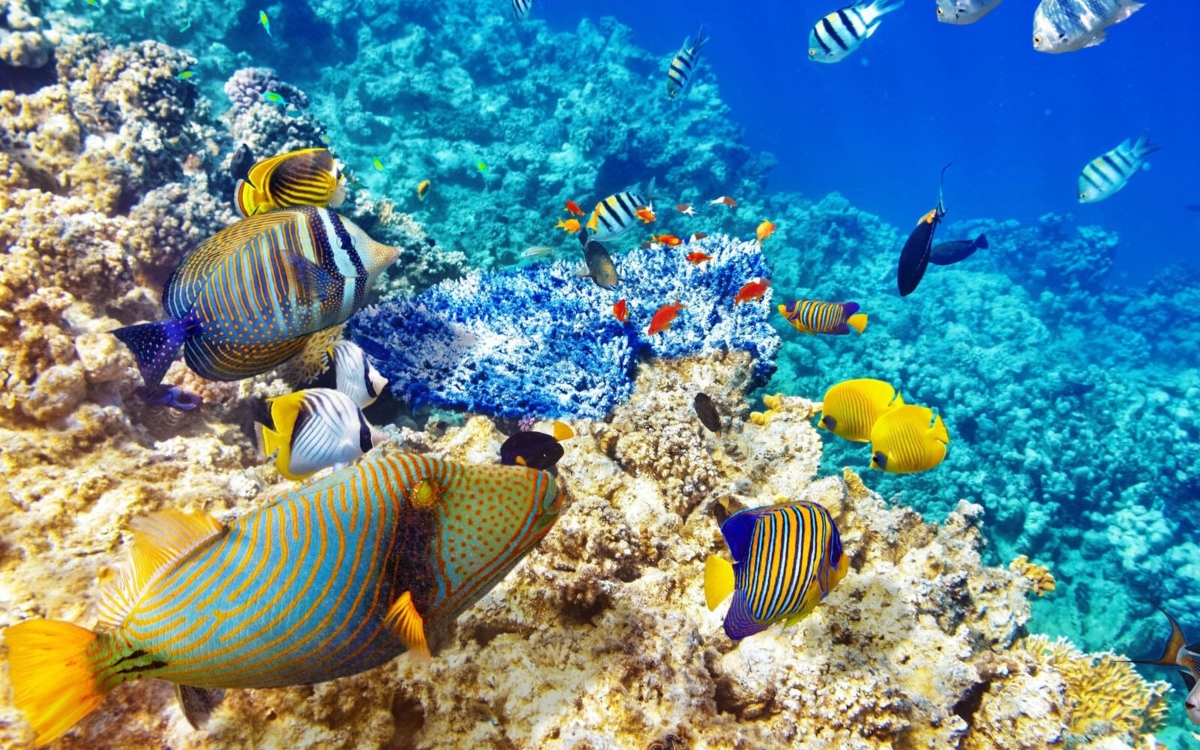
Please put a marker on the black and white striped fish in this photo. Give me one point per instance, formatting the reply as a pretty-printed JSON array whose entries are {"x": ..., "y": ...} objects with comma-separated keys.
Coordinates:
[
  {"x": 315, "y": 429},
  {"x": 684, "y": 64},
  {"x": 841, "y": 32},
  {"x": 1108, "y": 173},
  {"x": 617, "y": 214},
  {"x": 962, "y": 12},
  {"x": 355, "y": 375},
  {"x": 521, "y": 8},
  {"x": 1069, "y": 25}
]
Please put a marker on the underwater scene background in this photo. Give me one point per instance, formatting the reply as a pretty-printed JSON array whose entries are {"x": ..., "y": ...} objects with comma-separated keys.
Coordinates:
[{"x": 1063, "y": 358}]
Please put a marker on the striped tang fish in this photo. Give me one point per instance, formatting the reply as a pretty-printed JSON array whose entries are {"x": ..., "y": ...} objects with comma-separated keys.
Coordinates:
[
  {"x": 521, "y": 8},
  {"x": 786, "y": 559},
  {"x": 841, "y": 32},
  {"x": 850, "y": 408},
  {"x": 1108, "y": 173},
  {"x": 1069, "y": 25},
  {"x": 354, "y": 374},
  {"x": 307, "y": 177},
  {"x": 315, "y": 429},
  {"x": 908, "y": 439},
  {"x": 684, "y": 64},
  {"x": 247, "y": 298},
  {"x": 617, "y": 214},
  {"x": 810, "y": 316},
  {"x": 331, "y": 580}
]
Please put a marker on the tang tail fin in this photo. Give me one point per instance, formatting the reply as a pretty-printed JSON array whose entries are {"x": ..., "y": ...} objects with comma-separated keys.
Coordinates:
[
  {"x": 858, "y": 322},
  {"x": 54, "y": 681},
  {"x": 981, "y": 242},
  {"x": 155, "y": 345},
  {"x": 1143, "y": 147},
  {"x": 718, "y": 581},
  {"x": 1175, "y": 643}
]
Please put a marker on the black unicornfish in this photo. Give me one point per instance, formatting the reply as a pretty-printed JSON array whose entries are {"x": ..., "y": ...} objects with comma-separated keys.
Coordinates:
[
  {"x": 948, "y": 253},
  {"x": 914, "y": 258}
]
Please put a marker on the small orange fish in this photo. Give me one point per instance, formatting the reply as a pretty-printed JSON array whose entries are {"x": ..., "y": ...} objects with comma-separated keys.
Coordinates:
[
  {"x": 573, "y": 208},
  {"x": 698, "y": 258},
  {"x": 646, "y": 214},
  {"x": 621, "y": 310},
  {"x": 685, "y": 208},
  {"x": 669, "y": 240},
  {"x": 570, "y": 225},
  {"x": 724, "y": 199},
  {"x": 697, "y": 236},
  {"x": 752, "y": 290},
  {"x": 663, "y": 317},
  {"x": 765, "y": 230}
]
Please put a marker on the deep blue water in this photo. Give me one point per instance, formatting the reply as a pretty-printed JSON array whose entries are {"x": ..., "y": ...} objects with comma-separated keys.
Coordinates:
[{"x": 1019, "y": 124}]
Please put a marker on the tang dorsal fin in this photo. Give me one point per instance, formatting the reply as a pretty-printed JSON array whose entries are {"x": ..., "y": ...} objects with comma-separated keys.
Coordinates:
[{"x": 160, "y": 540}]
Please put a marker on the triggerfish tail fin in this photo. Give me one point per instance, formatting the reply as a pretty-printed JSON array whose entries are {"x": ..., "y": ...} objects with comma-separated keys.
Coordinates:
[
  {"x": 155, "y": 346},
  {"x": 981, "y": 242},
  {"x": 858, "y": 322},
  {"x": 738, "y": 622},
  {"x": 407, "y": 625},
  {"x": 718, "y": 581},
  {"x": 54, "y": 680},
  {"x": 1175, "y": 643}
]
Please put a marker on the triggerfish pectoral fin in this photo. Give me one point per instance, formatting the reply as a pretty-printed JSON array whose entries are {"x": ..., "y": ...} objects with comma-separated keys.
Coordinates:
[
  {"x": 739, "y": 623},
  {"x": 155, "y": 345},
  {"x": 718, "y": 581},
  {"x": 198, "y": 704},
  {"x": 406, "y": 623}
]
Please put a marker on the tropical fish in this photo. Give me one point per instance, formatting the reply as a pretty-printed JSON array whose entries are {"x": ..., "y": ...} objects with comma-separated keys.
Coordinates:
[
  {"x": 172, "y": 396},
  {"x": 617, "y": 214},
  {"x": 335, "y": 578},
  {"x": 521, "y": 8},
  {"x": 786, "y": 559},
  {"x": 1108, "y": 173},
  {"x": 850, "y": 408},
  {"x": 534, "y": 449},
  {"x": 764, "y": 230},
  {"x": 315, "y": 429},
  {"x": 246, "y": 299},
  {"x": 1069, "y": 25},
  {"x": 697, "y": 257},
  {"x": 810, "y": 316},
  {"x": 908, "y": 439},
  {"x": 354, "y": 374},
  {"x": 752, "y": 290},
  {"x": 841, "y": 32},
  {"x": 914, "y": 257},
  {"x": 684, "y": 64},
  {"x": 964, "y": 11},
  {"x": 377, "y": 164},
  {"x": 573, "y": 208},
  {"x": 948, "y": 253},
  {"x": 481, "y": 166},
  {"x": 570, "y": 226},
  {"x": 621, "y": 310},
  {"x": 423, "y": 189},
  {"x": 537, "y": 251},
  {"x": 696, "y": 236},
  {"x": 685, "y": 208},
  {"x": 669, "y": 240},
  {"x": 307, "y": 177},
  {"x": 661, "y": 320},
  {"x": 724, "y": 200},
  {"x": 646, "y": 215},
  {"x": 600, "y": 266},
  {"x": 264, "y": 21},
  {"x": 183, "y": 76},
  {"x": 274, "y": 97},
  {"x": 186, "y": 26},
  {"x": 706, "y": 412},
  {"x": 240, "y": 163},
  {"x": 1177, "y": 653}
]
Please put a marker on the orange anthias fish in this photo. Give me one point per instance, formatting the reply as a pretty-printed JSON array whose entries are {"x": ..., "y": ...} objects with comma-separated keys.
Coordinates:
[
  {"x": 752, "y": 290},
  {"x": 765, "y": 230},
  {"x": 621, "y": 310},
  {"x": 724, "y": 199},
  {"x": 669, "y": 240},
  {"x": 663, "y": 317},
  {"x": 646, "y": 214},
  {"x": 573, "y": 208},
  {"x": 685, "y": 208},
  {"x": 570, "y": 226},
  {"x": 698, "y": 257}
]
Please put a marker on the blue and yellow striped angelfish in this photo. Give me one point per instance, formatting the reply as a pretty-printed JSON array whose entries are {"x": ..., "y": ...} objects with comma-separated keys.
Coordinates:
[
  {"x": 810, "y": 316},
  {"x": 246, "y": 299},
  {"x": 306, "y": 177},
  {"x": 786, "y": 559},
  {"x": 618, "y": 213},
  {"x": 333, "y": 579}
]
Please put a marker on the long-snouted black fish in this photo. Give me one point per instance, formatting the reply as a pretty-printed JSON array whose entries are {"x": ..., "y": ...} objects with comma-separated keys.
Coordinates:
[
  {"x": 914, "y": 258},
  {"x": 949, "y": 253}
]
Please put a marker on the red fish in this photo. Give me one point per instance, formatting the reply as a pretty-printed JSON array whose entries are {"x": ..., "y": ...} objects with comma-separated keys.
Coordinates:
[
  {"x": 621, "y": 311},
  {"x": 724, "y": 199},
  {"x": 570, "y": 225},
  {"x": 645, "y": 214},
  {"x": 752, "y": 290},
  {"x": 685, "y": 208},
  {"x": 663, "y": 317},
  {"x": 765, "y": 230},
  {"x": 573, "y": 208},
  {"x": 698, "y": 258},
  {"x": 669, "y": 240}
]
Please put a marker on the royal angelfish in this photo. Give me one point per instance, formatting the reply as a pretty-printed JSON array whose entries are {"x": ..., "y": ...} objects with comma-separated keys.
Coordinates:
[
  {"x": 617, "y": 214},
  {"x": 316, "y": 429},
  {"x": 949, "y": 253},
  {"x": 1108, "y": 173},
  {"x": 786, "y": 559},
  {"x": 333, "y": 579},
  {"x": 810, "y": 316},
  {"x": 964, "y": 11},
  {"x": 307, "y": 177},
  {"x": 1069, "y": 25},
  {"x": 1178, "y": 653},
  {"x": 914, "y": 256},
  {"x": 908, "y": 439},
  {"x": 841, "y": 32},
  {"x": 684, "y": 64},
  {"x": 849, "y": 409},
  {"x": 246, "y": 299},
  {"x": 354, "y": 374}
]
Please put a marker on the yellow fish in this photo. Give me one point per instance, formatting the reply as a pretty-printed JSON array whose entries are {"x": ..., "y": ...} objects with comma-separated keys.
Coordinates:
[
  {"x": 422, "y": 189},
  {"x": 307, "y": 177},
  {"x": 851, "y": 407},
  {"x": 908, "y": 439}
]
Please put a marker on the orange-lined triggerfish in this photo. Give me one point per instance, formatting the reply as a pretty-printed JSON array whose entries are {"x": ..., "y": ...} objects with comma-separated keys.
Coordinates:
[
  {"x": 914, "y": 258},
  {"x": 786, "y": 559},
  {"x": 332, "y": 580},
  {"x": 810, "y": 316}
]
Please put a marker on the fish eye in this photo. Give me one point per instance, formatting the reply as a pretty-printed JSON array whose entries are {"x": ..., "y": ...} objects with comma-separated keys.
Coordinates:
[
  {"x": 1037, "y": 40},
  {"x": 940, "y": 13},
  {"x": 1083, "y": 195},
  {"x": 812, "y": 53}
]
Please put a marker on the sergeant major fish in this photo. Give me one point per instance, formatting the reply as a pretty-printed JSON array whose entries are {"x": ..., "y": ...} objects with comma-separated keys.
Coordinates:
[
  {"x": 521, "y": 8},
  {"x": 618, "y": 213},
  {"x": 1069, "y": 25},
  {"x": 679, "y": 74},
  {"x": 1108, "y": 173},
  {"x": 964, "y": 11},
  {"x": 841, "y": 32}
]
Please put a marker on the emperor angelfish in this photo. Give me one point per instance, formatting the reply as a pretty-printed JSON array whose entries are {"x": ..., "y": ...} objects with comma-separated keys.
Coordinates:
[
  {"x": 679, "y": 74},
  {"x": 247, "y": 299},
  {"x": 841, "y": 32},
  {"x": 307, "y": 177},
  {"x": 1108, "y": 173},
  {"x": 332, "y": 579},
  {"x": 315, "y": 429},
  {"x": 354, "y": 374},
  {"x": 1069, "y": 25},
  {"x": 962, "y": 12},
  {"x": 617, "y": 214}
]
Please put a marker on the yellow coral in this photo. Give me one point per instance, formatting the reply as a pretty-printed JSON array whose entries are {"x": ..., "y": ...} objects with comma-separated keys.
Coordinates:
[
  {"x": 1043, "y": 580},
  {"x": 774, "y": 403},
  {"x": 1104, "y": 693},
  {"x": 760, "y": 418}
]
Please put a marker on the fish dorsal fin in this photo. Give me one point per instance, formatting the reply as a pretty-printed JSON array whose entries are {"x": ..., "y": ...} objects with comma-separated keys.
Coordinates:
[
  {"x": 160, "y": 540},
  {"x": 737, "y": 532}
]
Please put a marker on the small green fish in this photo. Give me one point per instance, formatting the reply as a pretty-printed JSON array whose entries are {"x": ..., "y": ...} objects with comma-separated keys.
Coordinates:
[
  {"x": 186, "y": 26},
  {"x": 378, "y": 164},
  {"x": 273, "y": 97},
  {"x": 264, "y": 21},
  {"x": 325, "y": 140},
  {"x": 186, "y": 75},
  {"x": 481, "y": 166}
]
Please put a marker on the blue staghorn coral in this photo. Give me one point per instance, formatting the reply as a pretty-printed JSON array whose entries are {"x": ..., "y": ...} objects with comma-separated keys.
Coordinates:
[{"x": 542, "y": 341}]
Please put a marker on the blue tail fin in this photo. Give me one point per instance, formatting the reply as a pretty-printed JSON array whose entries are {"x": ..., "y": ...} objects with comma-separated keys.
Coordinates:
[{"x": 155, "y": 346}]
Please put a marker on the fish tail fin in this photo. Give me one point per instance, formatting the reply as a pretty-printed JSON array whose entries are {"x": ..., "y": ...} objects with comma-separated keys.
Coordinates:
[
  {"x": 718, "y": 580},
  {"x": 54, "y": 680},
  {"x": 155, "y": 345},
  {"x": 981, "y": 242},
  {"x": 1143, "y": 147},
  {"x": 858, "y": 322},
  {"x": 886, "y": 6},
  {"x": 701, "y": 40}
]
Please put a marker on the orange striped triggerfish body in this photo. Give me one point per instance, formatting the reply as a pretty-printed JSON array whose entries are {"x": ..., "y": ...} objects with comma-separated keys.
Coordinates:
[
  {"x": 307, "y": 177},
  {"x": 331, "y": 580},
  {"x": 810, "y": 316}
]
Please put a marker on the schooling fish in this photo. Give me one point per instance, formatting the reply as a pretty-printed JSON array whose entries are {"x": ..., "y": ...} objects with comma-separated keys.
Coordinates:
[
  {"x": 964, "y": 11},
  {"x": 307, "y": 177},
  {"x": 841, "y": 32},
  {"x": 914, "y": 257},
  {"x": 679, "y": 74},
  {"x": 786, "y": 559},
  {"x": 948, "y": 253},
  {"x": 752, "y": 290},
  {"x": 851, "y": 408},
  {"x": 537, "y": 450},
  {"x": 662, "y": 318},
  {"x": 521, "y": 8},
  {"x": 315, "y": 429},
  {"x": 600, "y": 266},
  {"x": 706, "y": 412},
  {"x": 1108, "y": 173},
  {"x": 621, "y": 310},
  {"x": 1069, "y": 25},
  {"x": 354, "y": 374},
  {"x": 246, "y": 299},
  {"x": 617, "y": 214},
  {"x": 764, "y": 230},
  {"x": 1177, "y": 653},
  {"x": 810, "y": 316},
  {"x": 908, "y": 439},
  {"x": 334, "y": 579}
]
